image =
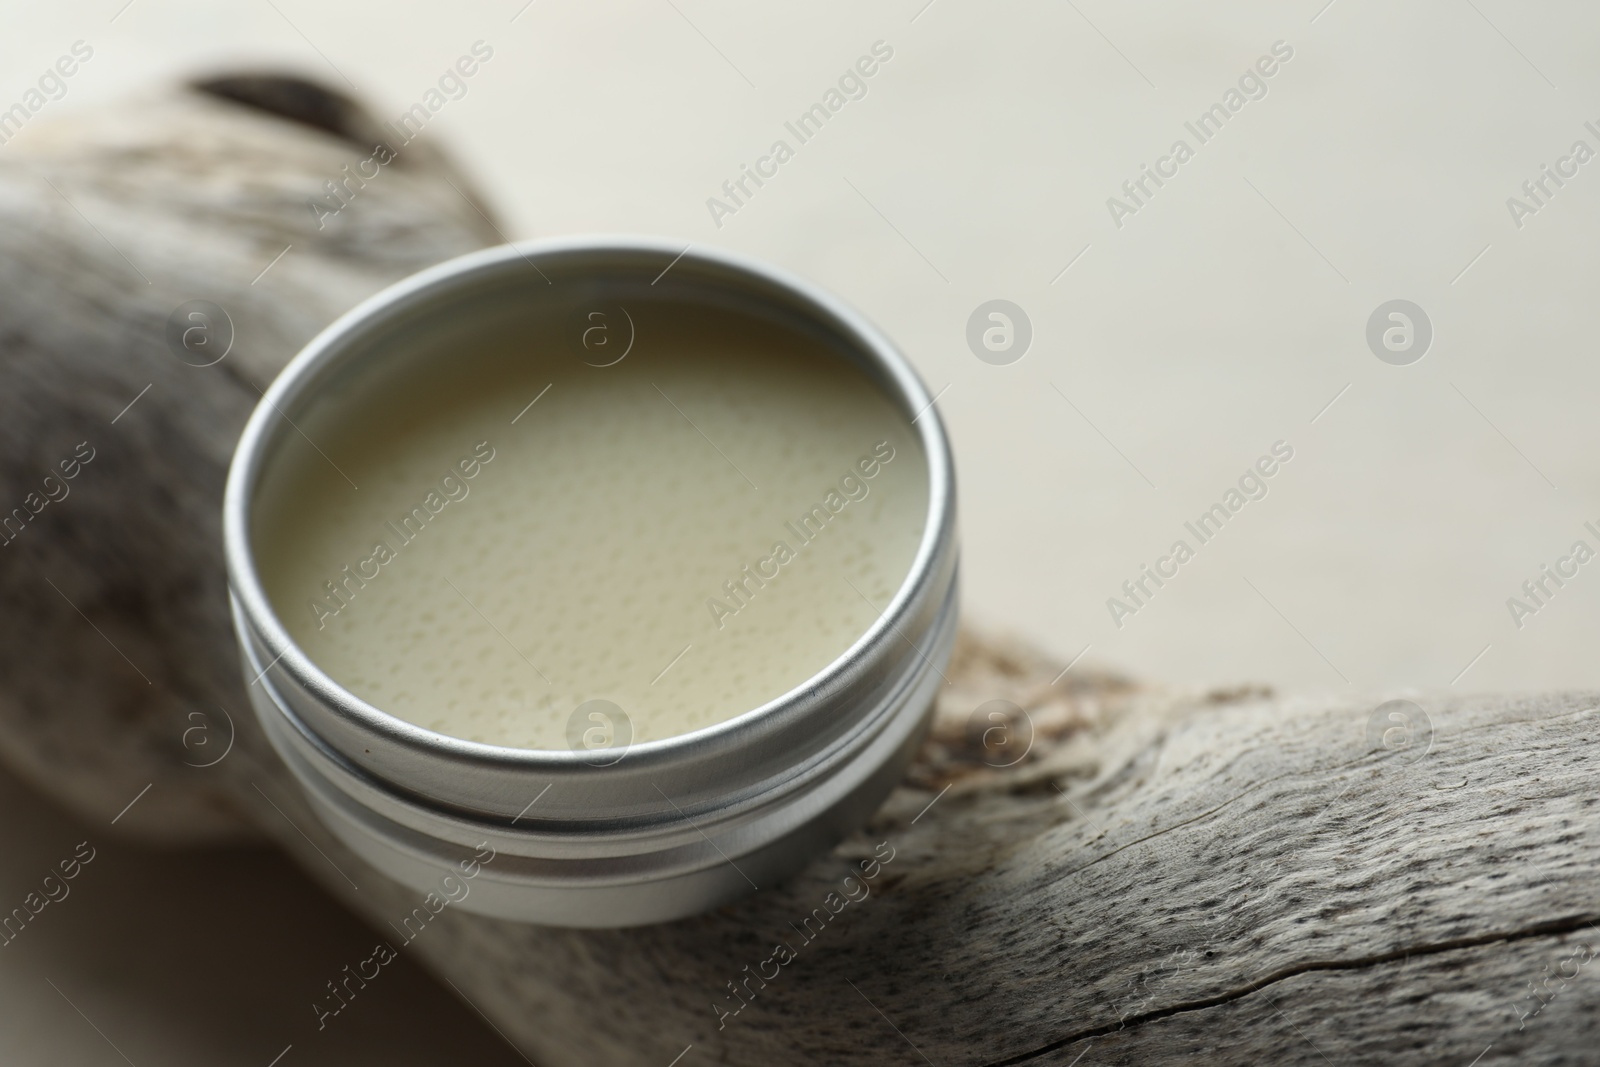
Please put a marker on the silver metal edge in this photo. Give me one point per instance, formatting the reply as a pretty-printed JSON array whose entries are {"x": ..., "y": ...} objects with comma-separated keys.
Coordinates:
[{"x": 365, "y": 722}]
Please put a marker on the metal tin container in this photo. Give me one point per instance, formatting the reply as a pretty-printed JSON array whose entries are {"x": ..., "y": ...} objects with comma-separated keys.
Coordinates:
[{"x": 662, "y": 829}]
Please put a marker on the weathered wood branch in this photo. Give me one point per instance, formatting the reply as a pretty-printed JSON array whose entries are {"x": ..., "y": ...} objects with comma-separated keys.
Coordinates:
[{"x": 1163, "y": 877}]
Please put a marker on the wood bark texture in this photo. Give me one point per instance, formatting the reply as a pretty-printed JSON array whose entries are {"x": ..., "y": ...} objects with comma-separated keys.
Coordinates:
[{"x": 1078, "y": 869}]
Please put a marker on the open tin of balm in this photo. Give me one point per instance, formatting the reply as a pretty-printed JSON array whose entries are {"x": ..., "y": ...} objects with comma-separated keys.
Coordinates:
[{"x": 630, "y": 566}]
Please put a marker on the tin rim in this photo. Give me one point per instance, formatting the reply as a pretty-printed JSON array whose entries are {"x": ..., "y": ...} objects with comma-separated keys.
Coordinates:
[{"x": 931, "y": 568}]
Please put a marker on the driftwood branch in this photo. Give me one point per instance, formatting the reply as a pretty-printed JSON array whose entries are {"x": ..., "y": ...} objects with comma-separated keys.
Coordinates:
[{"x": 1105, "y": 873}]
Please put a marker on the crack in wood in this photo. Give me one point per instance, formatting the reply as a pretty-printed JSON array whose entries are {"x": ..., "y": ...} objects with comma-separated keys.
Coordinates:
[{"x": 1537, "y": 930}]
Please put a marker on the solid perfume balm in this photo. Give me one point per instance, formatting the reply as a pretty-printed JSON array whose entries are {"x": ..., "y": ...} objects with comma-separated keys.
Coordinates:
[{"x": 490, "y": 541}]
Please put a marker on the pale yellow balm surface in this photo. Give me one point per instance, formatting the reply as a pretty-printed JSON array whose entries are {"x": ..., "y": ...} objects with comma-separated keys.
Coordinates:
[{"x": 689, "y": 533}]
